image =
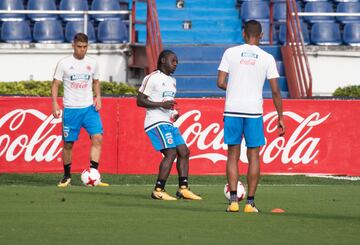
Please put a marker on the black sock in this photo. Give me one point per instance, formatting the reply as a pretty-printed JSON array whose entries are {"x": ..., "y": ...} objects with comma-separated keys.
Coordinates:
[
  {"x": 94, "y": 164},
  {"x": 67, "y": 170},
  {"x": 250, "y": 200},
  {"x": 160, "y": 184},
  {"x": 233, "y": 196},
  {"x": 183, "y": 181}
]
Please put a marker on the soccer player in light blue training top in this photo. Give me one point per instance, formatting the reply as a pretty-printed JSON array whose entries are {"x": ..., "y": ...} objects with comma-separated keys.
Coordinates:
[
  {"x": 247, "y": 66},
  {"x": 157, "y": 95},
  {"x": 80, "y": 76}
]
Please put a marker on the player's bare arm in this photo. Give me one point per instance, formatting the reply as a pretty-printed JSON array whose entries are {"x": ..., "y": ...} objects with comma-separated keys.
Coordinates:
[
  {"x": 276, "y": 96},
  {"x": 142, "y": 100},
  {"x": 54, "y": 95},
  {"x": 97, "y": 91},
  {"x": 221, "y": 80}
]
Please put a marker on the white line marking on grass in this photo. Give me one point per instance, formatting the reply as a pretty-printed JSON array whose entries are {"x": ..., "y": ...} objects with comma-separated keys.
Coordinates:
[{"x": 351, "y": 178}]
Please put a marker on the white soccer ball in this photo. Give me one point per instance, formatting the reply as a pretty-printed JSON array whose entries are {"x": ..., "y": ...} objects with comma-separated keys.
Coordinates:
[
  {"x": 241, "y": 192},
  {"x": 90, "y": 177}
]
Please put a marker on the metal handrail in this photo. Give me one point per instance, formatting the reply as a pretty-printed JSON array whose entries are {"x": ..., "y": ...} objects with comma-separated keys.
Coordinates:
[{"x": 84, "y": 12}]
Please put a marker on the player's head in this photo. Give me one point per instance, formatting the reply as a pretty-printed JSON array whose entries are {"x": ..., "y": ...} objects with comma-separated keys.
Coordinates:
[
  {"x": 80, "y": 45},
  {"x": 252, "y": 31},
  {"x": 167, "y": 62}
]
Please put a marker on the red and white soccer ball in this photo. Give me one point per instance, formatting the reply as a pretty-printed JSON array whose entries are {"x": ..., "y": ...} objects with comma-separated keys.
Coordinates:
[
  {"x": 241, "y": 192},
  {"x": 90, "y": 177}
]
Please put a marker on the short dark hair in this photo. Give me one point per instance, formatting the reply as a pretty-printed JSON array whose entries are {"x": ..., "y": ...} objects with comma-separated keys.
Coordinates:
[
  {"x": 81, "y": 37},
  {"x": 252, "y": 28},
  {"x": 163, "y": 54}
]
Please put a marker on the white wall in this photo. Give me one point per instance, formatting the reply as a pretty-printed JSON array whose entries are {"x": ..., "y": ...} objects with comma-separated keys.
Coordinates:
[
  {"x": 333, "y": 67},
  {"x": 37, "y": 61}
]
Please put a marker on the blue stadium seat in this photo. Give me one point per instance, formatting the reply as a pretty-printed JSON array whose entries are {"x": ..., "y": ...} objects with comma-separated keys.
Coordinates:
[
  {"x": 351, "y": 34},
  {"x": 348, "y": 7},
  {"x": 326, "y": 33},
  {"x": 11, "y": 5},
  {"x": 16, "y": 32},
  {"x": 73, "y": 5},
  {"x": 280, "y": 10},
  {"x": 41, "y": 5},
  {"x": 316, "y": 7},
  {"x": 48, "y": 31},
  {"x": 102, "y": 5},
  {"x": 266, "y": 30},
  {"x": 258, "y": 10},
  {"x": 112, "y": 31},
  {"x": 304, "y": 29},
  {"x": 73, "y": 27}
]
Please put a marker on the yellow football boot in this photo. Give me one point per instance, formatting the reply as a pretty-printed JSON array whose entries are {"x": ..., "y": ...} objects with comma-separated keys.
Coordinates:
[
  {"x": 161, "y": 194},
  {"x": 65, "y": 182},
  {"x": 184, "y": 192},
  {"x": 250, "y": 208},
  {"x": 233, "y": 207},
  {"x": 103, "y": 184}
]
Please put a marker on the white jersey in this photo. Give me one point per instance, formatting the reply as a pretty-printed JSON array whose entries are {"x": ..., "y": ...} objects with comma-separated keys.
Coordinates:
[
  {"x": 158, "y": 87},
  {"x": 77, "y": 76},
  {"x": 248, "y": 66}
]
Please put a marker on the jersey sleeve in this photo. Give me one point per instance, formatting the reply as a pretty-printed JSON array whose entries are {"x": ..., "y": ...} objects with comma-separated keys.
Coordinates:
[
  {"x": 59, "y": 71},
  {"x": 272, "y": 71},
  {"x": 224, "y": 64},
  {"x": 146, "y": 85}
]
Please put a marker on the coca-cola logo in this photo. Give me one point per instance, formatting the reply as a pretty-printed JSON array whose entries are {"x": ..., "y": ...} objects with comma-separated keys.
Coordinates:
[
  {"x": 41, "y": 145},
  {"x": 297, "y": 147}
]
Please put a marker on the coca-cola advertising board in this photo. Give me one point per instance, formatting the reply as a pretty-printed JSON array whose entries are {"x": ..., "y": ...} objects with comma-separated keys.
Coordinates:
[{"x": 321, "y": 138}]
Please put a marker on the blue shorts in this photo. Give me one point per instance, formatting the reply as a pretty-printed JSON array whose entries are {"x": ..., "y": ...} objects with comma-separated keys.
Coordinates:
[
  {"x": 76, "y": 118},
  {"x": 165, "y": 136},
  {"x": 251, "y": 128}
]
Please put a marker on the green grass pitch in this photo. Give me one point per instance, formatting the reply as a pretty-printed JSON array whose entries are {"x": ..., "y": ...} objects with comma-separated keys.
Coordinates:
[{"x": 34, "y": 211}]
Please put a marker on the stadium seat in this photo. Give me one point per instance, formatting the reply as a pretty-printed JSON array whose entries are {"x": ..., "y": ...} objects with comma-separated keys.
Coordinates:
[
  {"x": 326, "y": 33},
  {"x": 48, "y": 31},
  {"x": 258, "y": 10},
  {"x": 73, "y": 27},
  {"x": 316, "y": 7},
  {"x": 16, "y": 32},
  {"x": 280, "y": 10},
  {"x": 348, "y": 7},
  {"x": 41, "y": 5},
  {"x": 266, "y": 30},
  {"x": 112, "y": 31},
  {"x": 11, "y": 5},
  {"x": 351, "y": 34},
  {"x": 304, "y": 29},
  {"x": 101, "y": 5},
  {"x": 73, "y": 5}
]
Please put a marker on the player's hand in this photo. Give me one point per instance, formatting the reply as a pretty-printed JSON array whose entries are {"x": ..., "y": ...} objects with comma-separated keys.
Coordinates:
[
  {"x": 169, "y": 104},
  {"x": 175, "y": 115},
  {"x": 56, "y": 111},
  {"x": 281, "y": 127},
  {"x": 97, "y": 103}
]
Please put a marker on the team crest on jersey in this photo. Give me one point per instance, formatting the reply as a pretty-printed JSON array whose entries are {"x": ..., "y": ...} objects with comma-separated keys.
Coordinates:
[
  {"x": 88, "y": 67},
  {"x": 169, "y": 94}
]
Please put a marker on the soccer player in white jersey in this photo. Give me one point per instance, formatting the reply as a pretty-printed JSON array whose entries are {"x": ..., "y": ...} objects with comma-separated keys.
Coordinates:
[
  {"x": 80, "y": 76},
  {"x": 247, "y": 66},
  {"x": 157, "y": 95}
]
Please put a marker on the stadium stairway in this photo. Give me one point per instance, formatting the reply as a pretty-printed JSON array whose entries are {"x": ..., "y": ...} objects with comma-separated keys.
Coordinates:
[{"x": 199, "y": 31}]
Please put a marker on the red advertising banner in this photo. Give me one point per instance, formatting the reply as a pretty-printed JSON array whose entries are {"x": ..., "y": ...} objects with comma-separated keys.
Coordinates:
[{"x": 321, "y": 138}]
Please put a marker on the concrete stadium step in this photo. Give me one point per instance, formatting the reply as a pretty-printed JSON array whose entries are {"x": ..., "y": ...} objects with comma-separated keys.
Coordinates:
[
  {"x": 192, "y": 14},
  {"x": 203, "y": 24},
  {"x": 197, "y": 37},
  {"x": 193, "y": 4}
]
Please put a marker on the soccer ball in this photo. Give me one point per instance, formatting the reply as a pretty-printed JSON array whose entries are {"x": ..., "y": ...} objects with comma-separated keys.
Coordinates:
[
  {"x": 241, "y": 192},
  {"x": 90, "y": 177}
]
